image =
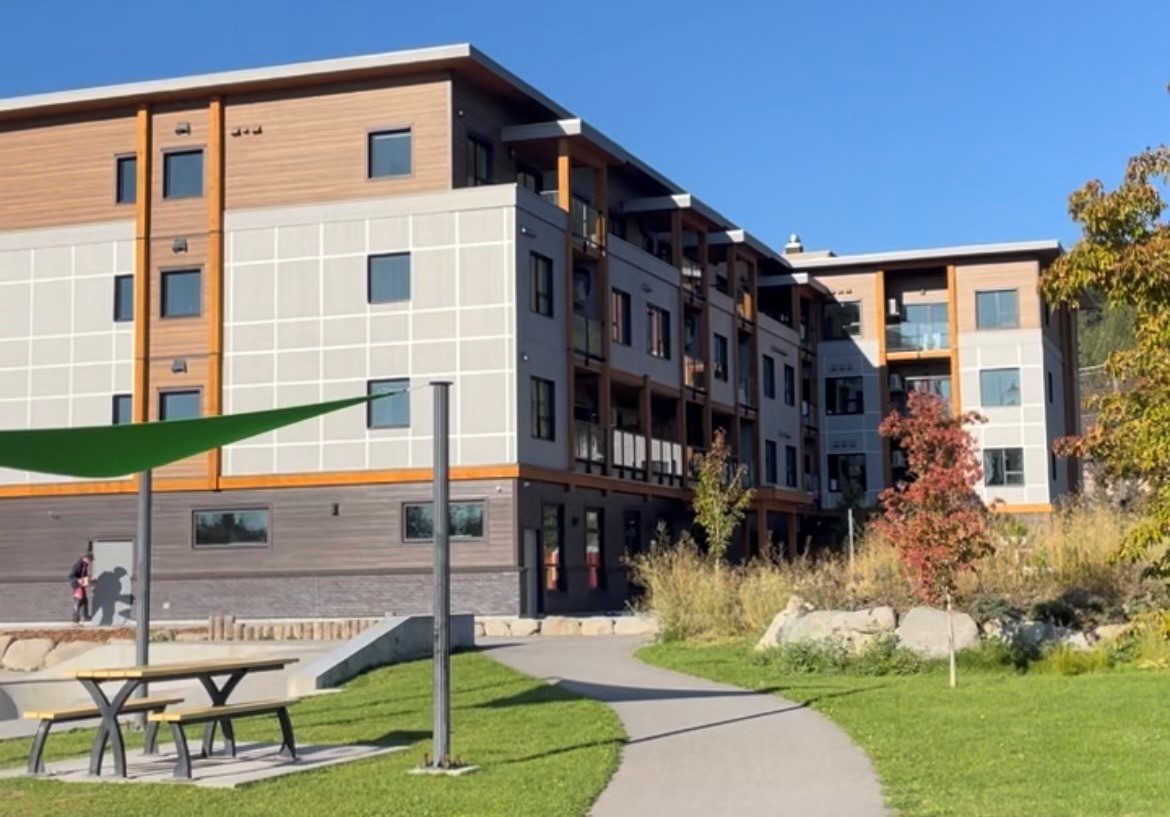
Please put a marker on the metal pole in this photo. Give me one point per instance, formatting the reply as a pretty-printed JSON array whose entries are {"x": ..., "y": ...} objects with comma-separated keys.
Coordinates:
[
  {"x": 851, "y": 540},
  {"x": 142, "y": 573},
  {"x": 442, "y": 614}
]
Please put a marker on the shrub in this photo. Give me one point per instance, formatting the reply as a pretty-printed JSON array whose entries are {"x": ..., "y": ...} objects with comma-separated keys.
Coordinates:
[
  {"x": 880, "y": 657},
  {"x": 1064, "y": 660},
  {"x": 1057, "y": 612}
]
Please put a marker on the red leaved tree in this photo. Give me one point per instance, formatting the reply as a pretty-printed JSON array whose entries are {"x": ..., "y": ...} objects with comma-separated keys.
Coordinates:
[{"x": 935, "y": 519}]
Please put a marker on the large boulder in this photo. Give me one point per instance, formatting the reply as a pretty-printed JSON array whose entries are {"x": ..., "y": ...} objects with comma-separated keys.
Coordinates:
[
  {"x": 795, "y": 608},
  {"x": 924, "y": 630},
  {"x": 635, "y": 625},
  {"x": 27, "y": 654},
  {"x": 853, "y": 629}
]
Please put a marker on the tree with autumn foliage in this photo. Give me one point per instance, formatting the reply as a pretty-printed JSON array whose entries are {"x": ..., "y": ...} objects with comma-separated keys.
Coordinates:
[
  {"x": 721, "y": 496},
  {"x": 1122, "y": 261},
  {"x": 936, "y": 519}
]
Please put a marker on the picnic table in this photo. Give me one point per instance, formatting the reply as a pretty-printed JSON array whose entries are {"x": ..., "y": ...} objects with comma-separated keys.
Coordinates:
[{"x": 132, "y": 678}]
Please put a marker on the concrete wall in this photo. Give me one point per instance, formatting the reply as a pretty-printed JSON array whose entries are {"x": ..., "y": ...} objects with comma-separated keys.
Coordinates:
[{"x": 649, "y": 282}]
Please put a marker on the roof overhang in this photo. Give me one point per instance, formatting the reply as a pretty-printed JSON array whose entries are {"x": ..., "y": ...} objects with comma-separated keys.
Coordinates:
[
  {"x": 739, "y": 236},
  {"x": 678, "y": 201},
  {"x": 789, "y": 279},
  {"x": 1046, "y": 250}
]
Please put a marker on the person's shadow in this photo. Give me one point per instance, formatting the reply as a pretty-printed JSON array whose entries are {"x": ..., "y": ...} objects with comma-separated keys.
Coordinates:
[{"x": 105, "y": 595}]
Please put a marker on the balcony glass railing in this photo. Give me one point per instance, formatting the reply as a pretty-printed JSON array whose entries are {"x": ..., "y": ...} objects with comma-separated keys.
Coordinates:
[
  {"x": 590, "y": 445},
  {"x": 584, "y": 220},
  {"x": 632, "y": 456},
  {"x": 696, "y": 373},
  {"x": 587, "y": 335},
  {"x": 924, "y": 328}
]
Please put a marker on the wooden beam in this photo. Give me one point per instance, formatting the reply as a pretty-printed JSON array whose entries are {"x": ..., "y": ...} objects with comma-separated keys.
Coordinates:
[
  {"x": 564, "y": 174},
  {"x": 953, "y": 338},
  {"x": 141, "y": 398},
  {"x": 215, "y": 278}
]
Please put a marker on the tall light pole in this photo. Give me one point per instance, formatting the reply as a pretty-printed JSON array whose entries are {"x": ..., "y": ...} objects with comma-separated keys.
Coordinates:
[
  {"x": 142, "y": 574},
  {"x": 441, "y": 514}
]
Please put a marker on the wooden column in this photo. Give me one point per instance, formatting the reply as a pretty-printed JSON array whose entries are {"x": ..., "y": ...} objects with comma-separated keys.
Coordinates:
[
  {"x": 215, "y": 277},
  {"x": 141, "y": 400},
  {"x": 953, "y": 338}
]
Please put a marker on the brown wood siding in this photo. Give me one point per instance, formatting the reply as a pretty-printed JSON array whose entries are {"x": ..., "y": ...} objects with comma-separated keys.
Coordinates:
[
  {"x": 163, "y": 379},
  {"x": 485, "y": 116},
  {"x": 1022, "y": 276},
  {"x": 861, "y": 287},
  {"x": 187, "y": 215},
  {"x": 178, "y": 336},
  {"x": 62, "y": 171},
  {"x": 313, "y": 148},
  {"x": 305, "y": 536}
]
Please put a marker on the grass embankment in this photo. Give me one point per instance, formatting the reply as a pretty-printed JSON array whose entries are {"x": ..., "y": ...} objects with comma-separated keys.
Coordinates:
[
  {"x": 1003, "y": 744},
  {"x": 543, "y": 751}
]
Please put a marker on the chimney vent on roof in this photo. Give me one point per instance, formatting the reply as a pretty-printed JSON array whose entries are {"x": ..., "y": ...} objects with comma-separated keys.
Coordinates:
[{"x": 793, "y": 246}]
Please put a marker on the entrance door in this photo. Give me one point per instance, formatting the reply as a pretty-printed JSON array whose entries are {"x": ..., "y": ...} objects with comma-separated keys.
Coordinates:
[{"x": 112, "y": 570}]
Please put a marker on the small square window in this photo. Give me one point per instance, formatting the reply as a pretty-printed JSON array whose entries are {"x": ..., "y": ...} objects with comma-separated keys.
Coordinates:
[
  {"x": 1003, "y": 466},
  {"x": 392, "y": 411},
  {"x": 388, "y": 278},
  {"x": 389, "y": 154},
  {"x": 540, "y": 284},
  {"x": 123, "y": 410},
  {"x": 844, "y": 395},
  {"x": 126, "y": 179},
  {"x": 999, "y": 309},
  {"x": 182, "y": 293},
  {"x": 180, "y": 405},
  {"x": 999, "y": 387},
  {"x": 183, "y": 174},
  {"x": 123, "y": 298}
]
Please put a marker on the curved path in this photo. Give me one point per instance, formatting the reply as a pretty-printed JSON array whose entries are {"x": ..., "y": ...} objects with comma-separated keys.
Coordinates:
[{"x": 700, "y": 748}]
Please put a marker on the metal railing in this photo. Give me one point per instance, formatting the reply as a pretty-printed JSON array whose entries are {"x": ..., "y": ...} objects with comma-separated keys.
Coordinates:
[{"x": 587, "y": 335}]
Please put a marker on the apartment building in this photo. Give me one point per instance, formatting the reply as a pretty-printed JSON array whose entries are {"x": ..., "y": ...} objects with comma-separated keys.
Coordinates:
[{"x": 264, "y": 238}]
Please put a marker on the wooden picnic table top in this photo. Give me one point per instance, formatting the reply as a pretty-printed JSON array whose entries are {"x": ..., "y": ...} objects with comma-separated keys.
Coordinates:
[{"x": 181, "y": 669}]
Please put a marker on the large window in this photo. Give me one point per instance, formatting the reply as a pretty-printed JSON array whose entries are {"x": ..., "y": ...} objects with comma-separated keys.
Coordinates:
[
  {"x": 595, "y": 548},
  {"x": 543, "y": 409},
  {"x": 389, "y": 154},
  {"x": 999, "y": 309},
  {"x": 182, "y": 293},
  {"x": 999, "y": 387},
  {"x": 182, "y": 174},
  {"x": 123, "y": 410},
  {"x": 239, "y": 527},
  {"x": 620, "y": 314},
  {"x": 388, "y": 278},
  {"x": 771, "y": 464},
  {"x": 842, "y": 320},
  {"x": 844, "y": 395},
  {"x": 721, "y": 364},
  {"x": 769, "y": 378},
  {"x": 126, "y": 179},
  {"x": 540, "y": 284},
  {"x": 552, "y": 545},
  {"x": 465, "y": 521},
  {"x": 123, "y": 298},
  {"x": 392, "y": 411},
  {"x": 1003, "y": 466},
  {"x": 847, "y": 473},
  {"x": 658, "y": 332},
  {"x": 180, "y": 405},
  {"x": 789, "y": 385},
  {"x": 790, "y": 474},
  {"x": 479, "y": 161},
  {"x": 528, "y": 177}
]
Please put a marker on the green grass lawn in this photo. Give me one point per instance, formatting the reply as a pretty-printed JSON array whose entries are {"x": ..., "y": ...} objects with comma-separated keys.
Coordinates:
[
  {"x": 1002, "y": 745},
  {"x": 543, "y": 752}
]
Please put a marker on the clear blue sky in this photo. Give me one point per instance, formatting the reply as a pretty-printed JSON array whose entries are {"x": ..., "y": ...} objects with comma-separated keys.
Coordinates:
[{"x": 862, "y": 125}]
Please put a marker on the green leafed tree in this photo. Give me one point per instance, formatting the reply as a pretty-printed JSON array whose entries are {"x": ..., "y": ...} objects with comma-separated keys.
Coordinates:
[
  {"x": 721, "y": 496},
  {"x": 1123, "y": 259}
]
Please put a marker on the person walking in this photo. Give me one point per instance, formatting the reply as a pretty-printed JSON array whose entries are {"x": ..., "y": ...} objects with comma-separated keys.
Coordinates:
[{"x": 79, "y": 580}]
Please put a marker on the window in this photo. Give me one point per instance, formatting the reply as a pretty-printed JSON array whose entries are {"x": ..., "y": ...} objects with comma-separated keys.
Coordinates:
[
  {"x": 658, "y": 332},
  {"x": 789, "y": 385},
  {"x": 388, "y": 154},
  {"x": 543, "y": 412},
  {"x": 1003, "y": 466},
  {"x": 842, "y": 320},
  {"x": 721, "y": 362},
  {"x": 528, "y": 178},
  {"x": 182, "y": 293},
  {"x": 769, "y": 378},
  {"x": 999, "y": 387},
  {"x": 844, "y": 395},
  {"x": 126, "y": 179},
  {"x": 242, "y": 527},
  {"x": 183, "y": 174},
  {"x": 465, "y": 521},
  {"x": 632, "y": 532},
  {"x": 123, "y": 410},
  {"x": 999, "y": 309},
  {"x": 847, "y": 473},
  {"x": 180, "y": 405},
  {"x": 479, "y": 161},
  {"x": 1052, "y": 464},
  {"x": 388, "y": 278},
  {"x": 790, "y": 466},
  {"x": 392, "y": 411},
  {"x": 123, "y": 298},
  {"x": 595, "y": 548},
  {"x": 771, "y": 466},
  {"x": 1048, "y": 385},
  {"x": 552, "y": 545},
  {"x": 540, "y": 284},
  {"x": 620, "y": 312}
]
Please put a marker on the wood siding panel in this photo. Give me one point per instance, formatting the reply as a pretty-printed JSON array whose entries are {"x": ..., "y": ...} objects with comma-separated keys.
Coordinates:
[
  {"x": 1019, "y": 275},
  {"x": 313, "y": 149},
  {"x": 163, "y": 379},
  {"x": 178, "y": 216},
  {"x": 170, "y": 337}
]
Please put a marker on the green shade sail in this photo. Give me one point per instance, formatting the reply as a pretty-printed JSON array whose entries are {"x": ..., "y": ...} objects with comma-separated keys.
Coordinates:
[{"x": 97, "y": 452}]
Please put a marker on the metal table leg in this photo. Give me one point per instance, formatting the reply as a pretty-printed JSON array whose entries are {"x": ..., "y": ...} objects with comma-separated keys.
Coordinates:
[
  {"x": 219, "y": 696},
  {"x": 109, "y": 730}
]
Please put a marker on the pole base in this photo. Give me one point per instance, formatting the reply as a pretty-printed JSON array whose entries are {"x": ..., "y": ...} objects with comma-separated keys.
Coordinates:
[{"x": 443, "y": 771}]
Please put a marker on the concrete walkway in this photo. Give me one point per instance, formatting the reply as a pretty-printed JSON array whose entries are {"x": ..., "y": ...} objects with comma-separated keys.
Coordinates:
[{"x": 700, "y": 748}]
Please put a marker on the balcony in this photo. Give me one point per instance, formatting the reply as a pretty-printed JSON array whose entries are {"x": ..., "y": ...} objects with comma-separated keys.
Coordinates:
[
  {"x": 696, "y": 373},
  {"x": 812, "y": 483},
  {"x": 630, "y": 460},
  {"x": 590, "y": 447},
  {"x": 587, "y": 336},
  {"x": 584, "y": 221},
  {"x": 747, "y": 392},
  {"x": 925, "y": 328}
]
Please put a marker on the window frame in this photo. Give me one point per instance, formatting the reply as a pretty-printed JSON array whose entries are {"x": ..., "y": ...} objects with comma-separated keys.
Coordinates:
[
  {"x": 553, "y": 569},
  {"x": 169, "y": 154},
  {"x": 525, "y": 169},
  {"x": 121, "y": 194},
  {"x": 827, "y": 323},
  {"x": 791, "y": 467},
  {"x": 370, "y": 384},
  {"x": 265, "y": 509},
  {"x": 998, "y": 293},
  {"x": 371, "y": 136},
  {"x": 166, "y": 275},
  {"x": 370, "y": 259},
  {"x": 835, "y": 472},
  {"x": 118, "y": 280},
  {"x": 768, "y": 376},
  {"x": 984, "y": 391},
  {"x": 771, "y": 462},
  {"x": 476, "y": 142},
  {"x": 658, "y": 332},
  {"x": 832, "y": 396},
  {"x": 481, "y": 503},
  {"x": 1007, "y": 474},
  {"x": 789, "y": 385},
  {"x": 595, "y": 573},
  {"x": 543, "y": 395},
  {"x": 114, "y": 409},
  {"x": 163, "y": 394},
  {"x": 720, "y": 358},
  {"x": 621, "y": 317},
  {"x": 540, "y": 285}
]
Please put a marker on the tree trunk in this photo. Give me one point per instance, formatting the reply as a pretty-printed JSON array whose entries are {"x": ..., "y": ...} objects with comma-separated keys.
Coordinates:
[{"x": 951, "y": 641}]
